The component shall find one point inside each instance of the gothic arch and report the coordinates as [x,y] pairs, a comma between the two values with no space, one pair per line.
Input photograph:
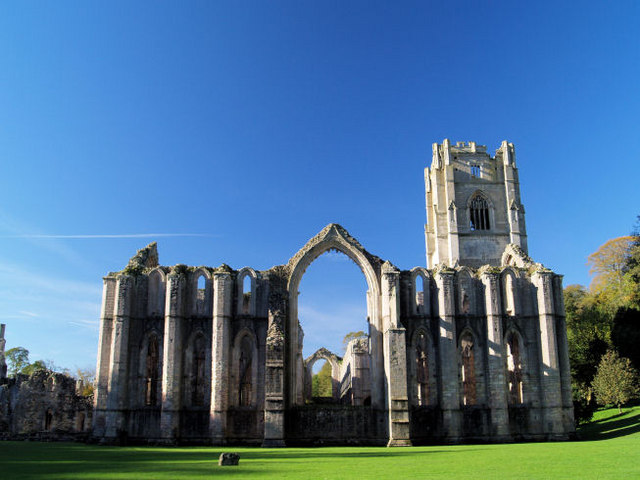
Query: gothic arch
[197,370]
[416,298]
[516,366]
[487,223]
[466,303]
[246,305]
[334,361]
[429,370]
[334,237]
[202,297]
[509,291]
[470,367]
[244,370]
[150,369]
[156,291]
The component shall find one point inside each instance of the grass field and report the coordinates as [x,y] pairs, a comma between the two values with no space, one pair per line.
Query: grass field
[610,449]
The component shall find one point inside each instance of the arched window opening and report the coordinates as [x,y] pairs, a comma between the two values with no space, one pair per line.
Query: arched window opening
[422,370]
[514,369]
[245,383]
[468,370]
[508,295]
[479,213]
[156,294]
[48,420]
[475,170]
[419,291]
[321,381]
[246,295]
[198,374]
[151,373]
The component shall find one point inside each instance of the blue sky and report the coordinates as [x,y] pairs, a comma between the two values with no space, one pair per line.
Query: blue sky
[255,124]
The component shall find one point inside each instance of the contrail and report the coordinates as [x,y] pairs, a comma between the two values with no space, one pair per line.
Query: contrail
[125,235]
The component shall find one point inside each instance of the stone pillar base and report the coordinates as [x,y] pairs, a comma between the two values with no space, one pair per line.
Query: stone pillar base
[399,443]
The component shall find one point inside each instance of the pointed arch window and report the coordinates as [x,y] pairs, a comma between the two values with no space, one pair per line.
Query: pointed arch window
[468,369]
[151,372]
[514,369]
[422,369]
[479,213]
[245,371]
[198,374]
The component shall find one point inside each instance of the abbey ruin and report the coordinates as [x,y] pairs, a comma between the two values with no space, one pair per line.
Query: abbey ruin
[472,348]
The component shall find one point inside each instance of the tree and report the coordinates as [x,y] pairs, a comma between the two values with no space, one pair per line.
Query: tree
[616,381]
[321,382]
[588,333]
[352,336]
[17,359]
[609,265]
[34,367]
[87,376]
[625,334]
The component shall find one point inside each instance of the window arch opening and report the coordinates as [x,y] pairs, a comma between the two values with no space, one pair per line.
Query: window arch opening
[151,372]
[514,370]
[468,369]
[246,295]
[198,373]
[419,286]
[245,373]
[422,369]
[479,214]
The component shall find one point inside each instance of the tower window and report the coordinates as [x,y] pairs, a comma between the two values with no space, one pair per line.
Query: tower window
[479,214]
[475,170]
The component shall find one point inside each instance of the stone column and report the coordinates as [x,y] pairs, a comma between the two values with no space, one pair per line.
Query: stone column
[550,381]
[220,355]
[104,357]
[563,356]
[395,358]
[274,405]
[448,356]
[115,422]
[172,357]
[496,357]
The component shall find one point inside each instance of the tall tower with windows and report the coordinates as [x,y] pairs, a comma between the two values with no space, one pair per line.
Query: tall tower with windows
[473,205]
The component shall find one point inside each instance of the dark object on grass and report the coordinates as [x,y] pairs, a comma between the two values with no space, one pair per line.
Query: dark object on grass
[228,459]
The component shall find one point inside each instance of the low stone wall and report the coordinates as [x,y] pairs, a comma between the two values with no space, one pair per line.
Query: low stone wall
[336,424]
[44,406]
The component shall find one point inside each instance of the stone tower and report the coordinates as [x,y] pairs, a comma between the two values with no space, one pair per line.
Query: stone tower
[473,205]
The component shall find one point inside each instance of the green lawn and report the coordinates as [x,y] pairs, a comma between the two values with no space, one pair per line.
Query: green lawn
[611,449]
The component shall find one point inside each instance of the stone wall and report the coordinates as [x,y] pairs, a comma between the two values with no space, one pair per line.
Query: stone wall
[44,406]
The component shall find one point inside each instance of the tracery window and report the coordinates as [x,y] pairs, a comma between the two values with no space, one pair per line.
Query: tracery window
[151,373]
[468,369]
[422,370]
[475,170]
[479,213]
[514,370]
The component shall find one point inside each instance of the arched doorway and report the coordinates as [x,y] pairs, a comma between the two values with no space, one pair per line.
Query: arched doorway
[364,420]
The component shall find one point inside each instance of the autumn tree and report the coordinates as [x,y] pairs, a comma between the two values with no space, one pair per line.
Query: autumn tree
[609,267]
[616,381]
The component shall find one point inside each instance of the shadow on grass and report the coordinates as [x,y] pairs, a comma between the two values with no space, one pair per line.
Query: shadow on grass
[64,460]
[615,426]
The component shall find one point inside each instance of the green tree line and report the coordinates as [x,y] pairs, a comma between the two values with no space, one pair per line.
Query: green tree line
[603,327]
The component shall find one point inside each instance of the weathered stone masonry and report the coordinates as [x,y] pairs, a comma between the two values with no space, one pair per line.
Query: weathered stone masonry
[473,348]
